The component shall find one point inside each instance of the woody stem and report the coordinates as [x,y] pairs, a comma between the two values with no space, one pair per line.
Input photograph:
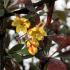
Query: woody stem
[50,12]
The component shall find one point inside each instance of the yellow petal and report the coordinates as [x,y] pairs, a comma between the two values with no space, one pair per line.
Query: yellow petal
[37,32]
[42,31]
[32,46]
[21,28]
[32,50]
[33,31]
[35,42]
[22,21]
[27,24]
[39,37]
[28,43]
[32,42]
[16,21]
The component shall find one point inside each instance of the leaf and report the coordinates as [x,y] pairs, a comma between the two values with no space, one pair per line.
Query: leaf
[28,4]
[20,55]
[55,26]
[24,51]
[30,7]
[6,3]
[68,66]
[1,12]
[65,55]
[61,40]
[17,57]
[16,48]
[55,64]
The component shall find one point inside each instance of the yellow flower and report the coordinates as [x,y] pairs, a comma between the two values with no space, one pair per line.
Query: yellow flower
[22,24]
[37,32]
[21,28]
[32,46]
[32,50]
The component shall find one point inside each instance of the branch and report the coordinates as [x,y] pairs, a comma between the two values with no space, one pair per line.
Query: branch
[50,12]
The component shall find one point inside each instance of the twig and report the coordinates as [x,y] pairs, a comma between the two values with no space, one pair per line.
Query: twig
[50,12]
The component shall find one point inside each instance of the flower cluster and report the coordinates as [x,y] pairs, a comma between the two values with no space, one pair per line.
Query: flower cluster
[32,35]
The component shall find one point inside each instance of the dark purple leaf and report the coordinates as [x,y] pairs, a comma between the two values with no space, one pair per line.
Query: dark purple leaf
[61,40]
[55,26]
[55,64]
[28,4]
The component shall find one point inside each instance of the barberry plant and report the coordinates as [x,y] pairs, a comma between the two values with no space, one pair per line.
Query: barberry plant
[34,36]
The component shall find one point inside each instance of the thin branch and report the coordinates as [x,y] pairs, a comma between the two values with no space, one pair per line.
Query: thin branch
[50,12]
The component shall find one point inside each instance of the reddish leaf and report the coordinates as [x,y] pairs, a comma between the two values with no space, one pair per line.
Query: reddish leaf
[55,26]
[68,66]
[28,4]
[55,64]
[61,40]
[22,1]
[15,2]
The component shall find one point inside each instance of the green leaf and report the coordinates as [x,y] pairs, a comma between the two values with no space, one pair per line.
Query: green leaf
[6,3]
[16,48]
[20,55]
[24,51]
[17,57]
